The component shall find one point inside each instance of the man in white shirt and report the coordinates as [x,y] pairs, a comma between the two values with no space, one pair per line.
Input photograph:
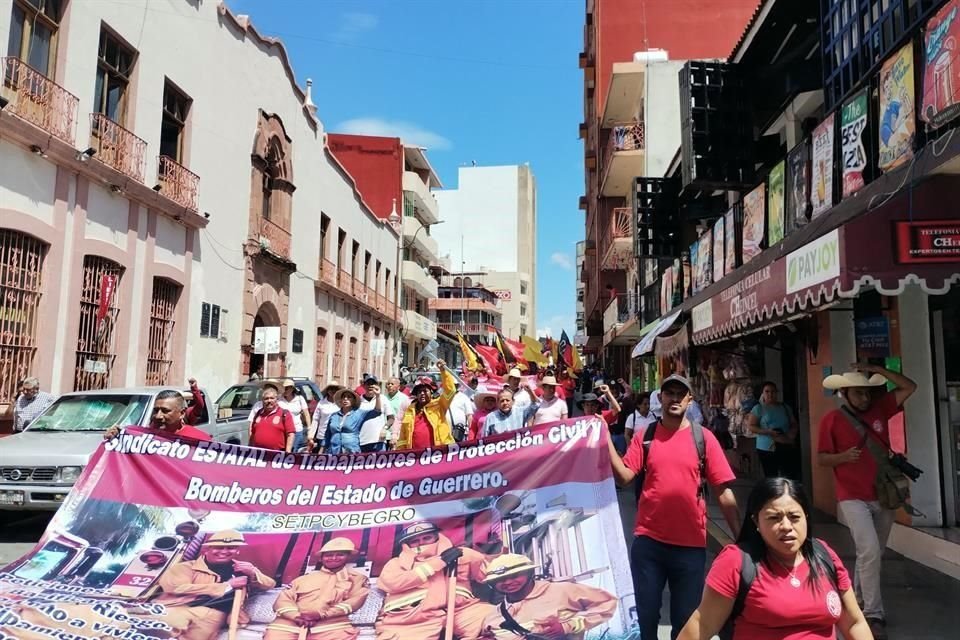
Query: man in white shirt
[374,432]
[397,399]
[460,414]
[551,408]
[521,398]
[321,415]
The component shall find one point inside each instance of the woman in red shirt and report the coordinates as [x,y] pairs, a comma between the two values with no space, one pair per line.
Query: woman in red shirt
[801,590]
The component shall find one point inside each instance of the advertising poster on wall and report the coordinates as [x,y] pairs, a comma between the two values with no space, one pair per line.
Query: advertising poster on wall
[897,127]
[224,541]
[798,187]
[941,67]
[705,260]
[694,268]
[821,196]
[754,222]
[718,249]
[666,290]
[853,124]
[730,240]
[775,204]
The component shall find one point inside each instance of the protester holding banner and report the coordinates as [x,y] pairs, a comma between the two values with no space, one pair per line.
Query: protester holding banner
[199,594]
[428,576]
[675,461]
[320,601]
[272,426]
[167,417]
[540,608]
[425,421]
[343,428]
[508,417]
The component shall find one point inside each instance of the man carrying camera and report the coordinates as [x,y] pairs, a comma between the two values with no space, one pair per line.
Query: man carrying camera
[855,442]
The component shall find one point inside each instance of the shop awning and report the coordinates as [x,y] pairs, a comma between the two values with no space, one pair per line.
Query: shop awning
[645,345]
[911,239]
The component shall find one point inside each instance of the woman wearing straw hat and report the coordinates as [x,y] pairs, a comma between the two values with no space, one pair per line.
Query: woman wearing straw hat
[486,401]
[343,429]
[321,415]
[862,421]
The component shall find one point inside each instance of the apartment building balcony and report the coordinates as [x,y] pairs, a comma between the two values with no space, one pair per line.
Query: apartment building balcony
[621,322]
[626,93]
[274,238]
[424,202]
[623,159]
[118,148]
[177,182]
[415,277]
[463,304]
[616,241]
[417,326]
[417,238]
[33,97]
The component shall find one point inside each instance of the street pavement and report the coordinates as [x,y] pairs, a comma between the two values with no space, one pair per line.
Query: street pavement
[19,532]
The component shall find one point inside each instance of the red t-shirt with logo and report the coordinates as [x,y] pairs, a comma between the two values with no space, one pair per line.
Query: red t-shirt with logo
[270,429]
[776,610]
[669,510]
[189,431]
[855,480]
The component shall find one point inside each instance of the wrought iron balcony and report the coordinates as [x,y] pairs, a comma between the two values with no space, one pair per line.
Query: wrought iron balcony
[623,158]
[177,182]
[275,237]
[39,100]
[117,147]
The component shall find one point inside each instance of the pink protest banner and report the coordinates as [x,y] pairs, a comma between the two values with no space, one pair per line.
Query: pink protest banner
[175,538]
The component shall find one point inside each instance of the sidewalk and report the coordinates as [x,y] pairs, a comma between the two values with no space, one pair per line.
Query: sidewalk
[921,603]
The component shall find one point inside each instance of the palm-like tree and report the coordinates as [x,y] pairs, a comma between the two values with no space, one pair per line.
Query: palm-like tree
[117,527]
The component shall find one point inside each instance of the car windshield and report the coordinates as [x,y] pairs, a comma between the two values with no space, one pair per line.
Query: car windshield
[92,412]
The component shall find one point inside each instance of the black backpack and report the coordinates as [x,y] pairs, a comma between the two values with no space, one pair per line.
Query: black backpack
[748,573]
[696,430]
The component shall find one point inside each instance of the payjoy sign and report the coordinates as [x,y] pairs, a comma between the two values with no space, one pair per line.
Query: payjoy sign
[815,262]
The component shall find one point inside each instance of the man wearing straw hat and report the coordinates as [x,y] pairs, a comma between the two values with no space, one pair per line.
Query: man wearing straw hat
[844,433]
[541,608]
[199,594]
[552,408]
[322,600]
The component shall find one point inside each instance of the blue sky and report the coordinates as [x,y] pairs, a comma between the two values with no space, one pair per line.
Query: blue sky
[495,81]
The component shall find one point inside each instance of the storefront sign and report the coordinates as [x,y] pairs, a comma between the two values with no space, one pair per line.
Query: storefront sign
[821,196]
[718,249]
[815,262]
[702,316]
[776,204]
[798,187]
[743,296]
[897,126]
[193,514]
[753,223]
[504,294]
[853,123]
[941,69]
[927,241]
[872,337]
[730,240]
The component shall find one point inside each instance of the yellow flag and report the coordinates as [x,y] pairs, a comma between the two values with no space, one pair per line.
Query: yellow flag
[468,354]
[533,351]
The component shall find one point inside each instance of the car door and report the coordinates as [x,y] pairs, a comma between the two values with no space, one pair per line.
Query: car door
[233,410]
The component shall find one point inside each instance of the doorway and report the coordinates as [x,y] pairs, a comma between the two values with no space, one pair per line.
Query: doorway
[945,332]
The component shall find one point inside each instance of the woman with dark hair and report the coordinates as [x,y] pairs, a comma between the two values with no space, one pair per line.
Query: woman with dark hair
[776,430]
[800,588]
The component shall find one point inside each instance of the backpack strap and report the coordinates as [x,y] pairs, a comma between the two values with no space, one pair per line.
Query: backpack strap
[648,434]
[696,430]
[748,574]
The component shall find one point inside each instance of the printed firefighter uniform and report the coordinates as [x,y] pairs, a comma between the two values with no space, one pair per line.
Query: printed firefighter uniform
[416,585]
[577,607]
[194,581]
[334,595]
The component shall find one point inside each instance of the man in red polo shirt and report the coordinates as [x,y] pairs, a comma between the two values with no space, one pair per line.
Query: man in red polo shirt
[671,532]
[272,427]
[167,417]
[841,447]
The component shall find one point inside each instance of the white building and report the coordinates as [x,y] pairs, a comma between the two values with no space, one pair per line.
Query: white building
[492,214]
[143,242]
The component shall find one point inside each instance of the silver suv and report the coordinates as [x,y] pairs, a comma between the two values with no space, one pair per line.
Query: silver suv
[39,465]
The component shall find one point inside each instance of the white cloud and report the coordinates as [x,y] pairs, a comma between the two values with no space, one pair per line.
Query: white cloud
[407,131]
[555,325]
[562,260]
[353,24]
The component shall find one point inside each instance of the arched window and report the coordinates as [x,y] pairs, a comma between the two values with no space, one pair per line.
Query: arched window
[467,282]
[21,285]
[99,309]
[458,282]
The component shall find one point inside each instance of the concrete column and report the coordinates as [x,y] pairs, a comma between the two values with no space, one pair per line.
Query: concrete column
[843,346]
[920,409]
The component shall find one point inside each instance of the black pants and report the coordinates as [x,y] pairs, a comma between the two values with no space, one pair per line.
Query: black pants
[779,463]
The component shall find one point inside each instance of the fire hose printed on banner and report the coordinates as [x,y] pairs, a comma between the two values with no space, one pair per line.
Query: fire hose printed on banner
[499,538]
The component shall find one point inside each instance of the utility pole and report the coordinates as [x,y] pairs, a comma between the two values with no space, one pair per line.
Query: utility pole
[463,323]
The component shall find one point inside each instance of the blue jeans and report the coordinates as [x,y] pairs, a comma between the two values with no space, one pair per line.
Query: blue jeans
[655,564]
[373,446]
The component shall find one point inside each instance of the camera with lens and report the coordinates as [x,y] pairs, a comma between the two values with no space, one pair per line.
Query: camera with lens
[900,461]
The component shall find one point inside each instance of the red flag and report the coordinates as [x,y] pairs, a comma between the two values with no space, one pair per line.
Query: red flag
[107,285]
[513,351]
[491,357]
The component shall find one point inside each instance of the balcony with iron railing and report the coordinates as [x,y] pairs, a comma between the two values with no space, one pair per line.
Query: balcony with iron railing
[616,241]
[618,313]
[274,238]
[117,147]
[177,182]
[39,100]
[623,159]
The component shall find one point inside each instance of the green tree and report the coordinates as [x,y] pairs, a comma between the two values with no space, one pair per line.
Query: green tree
[117,527]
